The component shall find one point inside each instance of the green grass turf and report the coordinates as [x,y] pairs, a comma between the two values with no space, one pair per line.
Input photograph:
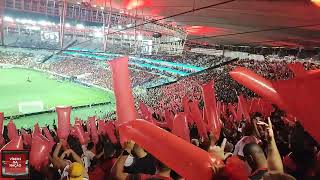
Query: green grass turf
[15,89]
[49,118]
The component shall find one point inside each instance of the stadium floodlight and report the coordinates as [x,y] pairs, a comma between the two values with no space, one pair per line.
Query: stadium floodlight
[80,26]
[140,37]
[23,21]
[27,21]
[8,19]
[35,28]
[98,34]
[43,23]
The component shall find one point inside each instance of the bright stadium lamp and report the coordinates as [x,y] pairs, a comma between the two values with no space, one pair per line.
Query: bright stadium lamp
[43,23]
[140,37]
[35,28]
[8,19]
[98,34]
[316,2]
[30,22]
[80,26]
[23,21]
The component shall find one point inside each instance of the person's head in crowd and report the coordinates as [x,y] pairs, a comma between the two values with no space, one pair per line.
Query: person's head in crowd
[76,171]
[195,142]
[75,145]
[109,150]
[248,129]
[90,146]
[255,156]
[256,116]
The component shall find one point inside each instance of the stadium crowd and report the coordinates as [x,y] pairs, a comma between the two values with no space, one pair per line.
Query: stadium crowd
[261,147]
[196,59]
[170,96]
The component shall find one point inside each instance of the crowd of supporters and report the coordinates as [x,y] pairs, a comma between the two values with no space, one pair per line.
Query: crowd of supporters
[196,59]
[170,96]
[259,148]
[85,69]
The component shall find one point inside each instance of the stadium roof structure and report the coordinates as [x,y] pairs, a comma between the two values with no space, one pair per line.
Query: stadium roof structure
[280,23]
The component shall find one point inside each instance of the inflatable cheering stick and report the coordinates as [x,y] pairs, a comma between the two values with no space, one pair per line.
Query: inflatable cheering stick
[63,121]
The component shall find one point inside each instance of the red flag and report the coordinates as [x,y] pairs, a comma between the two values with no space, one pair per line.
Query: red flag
[302,98]
[168,118]
[147,115]
[180,126]
[36,130]
[244,107]
[48,135]
[297,69]
[254,106]
[12,130]
[265,108]
[186,109]
[209,98]
[93,129]
[232,110]
[110,129]
[26,137]
[196,115]
[239,113]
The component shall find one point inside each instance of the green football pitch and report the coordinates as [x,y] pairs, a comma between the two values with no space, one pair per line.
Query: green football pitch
[16,89]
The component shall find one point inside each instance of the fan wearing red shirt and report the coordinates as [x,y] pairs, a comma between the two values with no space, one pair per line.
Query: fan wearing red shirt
[102,170]
[117,171]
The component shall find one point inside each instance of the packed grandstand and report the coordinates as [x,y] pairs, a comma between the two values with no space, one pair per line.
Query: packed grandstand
[147,103]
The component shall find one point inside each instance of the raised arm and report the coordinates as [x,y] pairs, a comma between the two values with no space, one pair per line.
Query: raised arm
[117,170]
[273,157]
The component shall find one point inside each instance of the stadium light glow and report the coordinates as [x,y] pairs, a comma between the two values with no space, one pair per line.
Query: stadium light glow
[43,23]
[316,2]
[98,34]
[80,26]
[140,37]
[35,28]
[8,19]
[26,21]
